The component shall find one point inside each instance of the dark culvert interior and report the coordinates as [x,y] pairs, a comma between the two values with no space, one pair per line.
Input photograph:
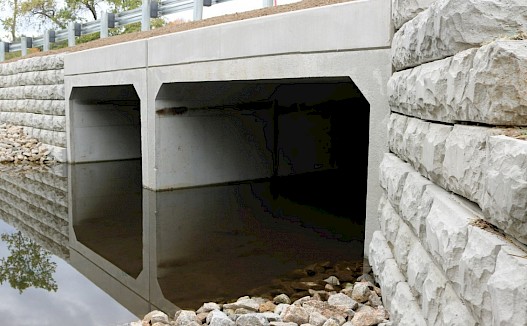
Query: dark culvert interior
[316,130]
[304,205]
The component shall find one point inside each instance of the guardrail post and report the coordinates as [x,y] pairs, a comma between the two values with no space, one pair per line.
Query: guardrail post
[74,29]
[145,15]
[45,41]
[107,21]
[25,43]
[267,3]
[49,37]
[198,9]
[4,47]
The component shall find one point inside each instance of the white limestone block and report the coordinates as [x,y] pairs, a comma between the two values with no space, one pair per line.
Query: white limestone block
[404,309]
[396,127]
[433,153]
[389,278]
[433,287]
[58,123]
[419,264]
[59,139]
[388,219]
[405,10]
[465,160]
[392,175]
[504,202]
[485,85]
[379,252]
[446,235]
[476,266]
[404,240]
[447,27]
[508,288]
[414,206]
[452,311]
[412,144]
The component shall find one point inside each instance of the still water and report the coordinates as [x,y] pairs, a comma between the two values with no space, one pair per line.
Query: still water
[85,244]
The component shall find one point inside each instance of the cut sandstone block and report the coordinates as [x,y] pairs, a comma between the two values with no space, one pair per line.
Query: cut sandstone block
[483,85]
[447,27]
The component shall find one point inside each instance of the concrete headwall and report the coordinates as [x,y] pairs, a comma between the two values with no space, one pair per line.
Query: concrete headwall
[452,245]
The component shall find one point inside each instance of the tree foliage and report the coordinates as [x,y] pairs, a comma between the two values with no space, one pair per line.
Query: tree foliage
[10,22]
[29,265]
[43,12]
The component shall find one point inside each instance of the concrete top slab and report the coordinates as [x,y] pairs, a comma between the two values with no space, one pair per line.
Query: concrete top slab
[362,24]
[119,56]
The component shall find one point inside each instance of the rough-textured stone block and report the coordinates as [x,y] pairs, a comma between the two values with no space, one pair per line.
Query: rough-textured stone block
[465,160]
[392,175]
[413,137]
[419,264]
[447,27]
[389,278]
[404,241]
[379,252]
[446,235]
[396,127]
[388,219]
[452,311]
[508,288]
[504,201]
[404,308]
[405,10]
[484,85]
[433,153]
[413,206]
[476,265]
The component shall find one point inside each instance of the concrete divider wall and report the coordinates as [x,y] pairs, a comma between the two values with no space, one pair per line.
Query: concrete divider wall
[452,246]
[32,96]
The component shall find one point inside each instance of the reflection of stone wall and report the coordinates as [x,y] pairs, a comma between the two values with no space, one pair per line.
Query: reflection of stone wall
[35,202]
[453,241]
[32,96]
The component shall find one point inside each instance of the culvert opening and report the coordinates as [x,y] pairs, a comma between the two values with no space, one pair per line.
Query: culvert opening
[105,123]
[106,173]
[275,171]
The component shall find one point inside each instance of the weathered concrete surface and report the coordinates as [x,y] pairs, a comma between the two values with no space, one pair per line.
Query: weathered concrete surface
[484,85]
[447,27]
[473,162]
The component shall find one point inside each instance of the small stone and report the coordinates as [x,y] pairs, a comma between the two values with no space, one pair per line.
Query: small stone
[332,280]
[282,298]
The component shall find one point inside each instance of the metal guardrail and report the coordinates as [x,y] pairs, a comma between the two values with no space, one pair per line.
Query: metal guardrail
[149,9]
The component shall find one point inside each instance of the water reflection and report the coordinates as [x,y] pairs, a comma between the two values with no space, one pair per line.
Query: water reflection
[27,265]
[176,249]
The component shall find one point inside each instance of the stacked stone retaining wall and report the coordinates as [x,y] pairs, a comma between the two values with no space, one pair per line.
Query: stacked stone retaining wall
[452,249]
[32,96]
